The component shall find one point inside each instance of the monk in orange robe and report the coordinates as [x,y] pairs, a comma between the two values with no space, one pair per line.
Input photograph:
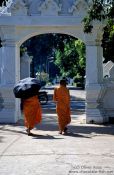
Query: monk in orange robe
[62,98]
[32,112]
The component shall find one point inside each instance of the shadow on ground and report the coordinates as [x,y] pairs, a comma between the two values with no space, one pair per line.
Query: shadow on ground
[84,131]
[95,129]
[13,131]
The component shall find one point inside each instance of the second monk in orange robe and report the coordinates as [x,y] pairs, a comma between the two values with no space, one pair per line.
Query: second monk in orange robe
[62,98]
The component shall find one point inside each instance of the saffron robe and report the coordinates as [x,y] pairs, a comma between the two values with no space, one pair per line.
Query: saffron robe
[62,98]
[32,112]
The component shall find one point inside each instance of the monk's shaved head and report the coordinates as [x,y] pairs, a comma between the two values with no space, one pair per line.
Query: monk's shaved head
[63,82]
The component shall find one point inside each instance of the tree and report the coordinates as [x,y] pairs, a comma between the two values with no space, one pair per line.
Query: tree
[108,42]
[102,10]
[67,51]
[66,60]
[71,59]
[42,47]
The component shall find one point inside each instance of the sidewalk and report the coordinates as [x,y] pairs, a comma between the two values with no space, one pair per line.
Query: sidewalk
[86,150]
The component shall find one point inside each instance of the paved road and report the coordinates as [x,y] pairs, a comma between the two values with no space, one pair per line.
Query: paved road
[75,106]
[87,149]
[77,103]
[77,98]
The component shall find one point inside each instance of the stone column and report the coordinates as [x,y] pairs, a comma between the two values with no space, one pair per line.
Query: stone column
[0,63]
[94,81]
[10,63]
[25,66]
[9,105]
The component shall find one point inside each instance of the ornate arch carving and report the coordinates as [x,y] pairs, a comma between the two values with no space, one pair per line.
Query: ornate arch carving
[18,7]
[79,8]
[50,7]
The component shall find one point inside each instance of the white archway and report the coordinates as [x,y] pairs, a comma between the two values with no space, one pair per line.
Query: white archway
[19,23]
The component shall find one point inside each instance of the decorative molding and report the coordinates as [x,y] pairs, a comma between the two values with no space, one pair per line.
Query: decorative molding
[8,43]
[93,39]
[50,7]
[18,7]
[1,33]
[7,33]
[4,9]
[79,8]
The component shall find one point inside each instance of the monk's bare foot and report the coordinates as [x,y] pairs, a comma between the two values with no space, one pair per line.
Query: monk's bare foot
[60,132]
[65,130]
[28,132]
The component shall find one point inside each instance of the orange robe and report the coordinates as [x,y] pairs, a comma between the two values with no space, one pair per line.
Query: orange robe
[32,112]
[62,98]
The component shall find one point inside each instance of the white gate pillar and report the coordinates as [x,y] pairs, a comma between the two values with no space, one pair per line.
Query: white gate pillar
[94,79]
[0,63]
[9,106]
[10,62]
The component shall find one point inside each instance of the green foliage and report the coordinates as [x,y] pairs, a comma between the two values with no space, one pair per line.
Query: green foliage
[71,60]
[102,10]
[22,50]
[87,25]
[66,60]
[41,47]
[95,12]
[44,46]
[79,80]
[108,42]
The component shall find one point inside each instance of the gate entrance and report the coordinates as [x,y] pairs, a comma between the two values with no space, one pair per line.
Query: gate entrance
[21,20]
